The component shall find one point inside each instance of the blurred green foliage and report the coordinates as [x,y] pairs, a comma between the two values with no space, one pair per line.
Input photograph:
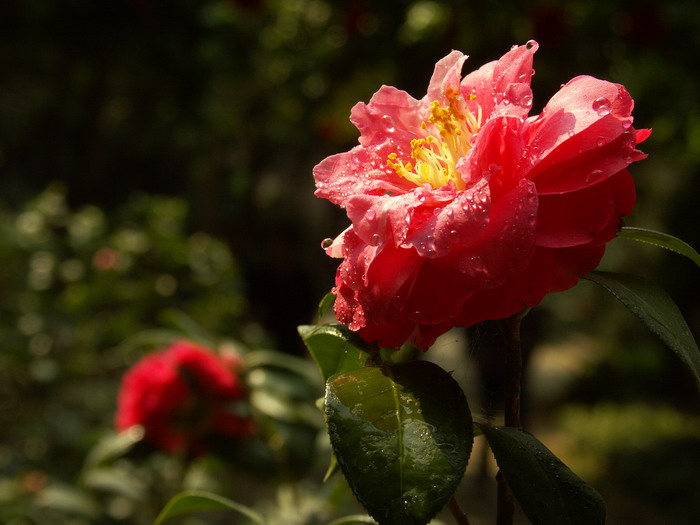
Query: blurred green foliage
[130,127]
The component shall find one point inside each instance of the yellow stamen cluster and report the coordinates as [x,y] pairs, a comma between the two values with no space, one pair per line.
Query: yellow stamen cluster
[448,130]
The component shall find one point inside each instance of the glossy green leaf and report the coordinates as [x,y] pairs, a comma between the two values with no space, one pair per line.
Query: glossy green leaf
[334,348]
[547,490]
[656,309]
[200,501]
[662,240]
[402,434]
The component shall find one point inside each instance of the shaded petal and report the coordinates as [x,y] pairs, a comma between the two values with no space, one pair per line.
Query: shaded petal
[369,280]
[587,216]
[505,247]
[550,270]
[446,226]
[435,296]
[496,154]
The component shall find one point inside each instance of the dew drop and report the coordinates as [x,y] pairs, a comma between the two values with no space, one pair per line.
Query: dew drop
[601,106]
[370,215]
[626,124]
[376,239]
[532,45]
[326,243]
[570,133]
[389,123]
[594,175]
[449,212]
[601,141]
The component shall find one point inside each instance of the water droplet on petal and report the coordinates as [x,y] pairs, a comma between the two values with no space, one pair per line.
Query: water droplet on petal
[326,243]
[626,124]
[370,215]
[532,45]
[601,105]
[571,133]
[601,141]
[376,239]
[593,176]
[389,123]
[449,212]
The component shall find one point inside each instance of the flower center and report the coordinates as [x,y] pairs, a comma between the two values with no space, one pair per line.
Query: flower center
[448,133]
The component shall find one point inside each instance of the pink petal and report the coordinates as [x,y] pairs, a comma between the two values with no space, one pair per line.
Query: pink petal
[446,76]
[583,136]
[392,115]
[358,171]
[504,85]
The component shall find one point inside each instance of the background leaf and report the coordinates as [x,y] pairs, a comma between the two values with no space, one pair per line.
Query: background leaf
[402,434]
[334,348]
[198,501]
[547,490]
[662,240]
[656,309]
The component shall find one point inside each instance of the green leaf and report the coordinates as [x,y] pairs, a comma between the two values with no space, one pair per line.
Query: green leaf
[334,348]
[352,520]
[547,490]
[114,446]
[199,501]
[115,480]
[272,359]
[656,309]
[325,304]
[662,240]
[332,468]
[402,434]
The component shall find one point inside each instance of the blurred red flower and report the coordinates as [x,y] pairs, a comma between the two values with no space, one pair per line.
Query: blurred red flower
[181,396]
[465,209]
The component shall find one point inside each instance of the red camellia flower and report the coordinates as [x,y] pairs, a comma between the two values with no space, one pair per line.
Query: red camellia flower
[465,209]
[181,396]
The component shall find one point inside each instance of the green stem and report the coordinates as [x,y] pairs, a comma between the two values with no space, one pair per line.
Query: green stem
[513,371]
